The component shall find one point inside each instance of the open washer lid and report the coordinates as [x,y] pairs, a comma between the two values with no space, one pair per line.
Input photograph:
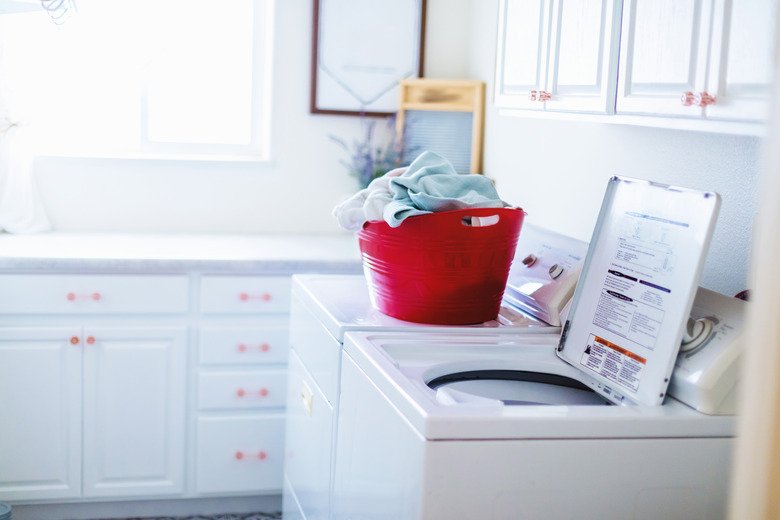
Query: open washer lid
[637,287]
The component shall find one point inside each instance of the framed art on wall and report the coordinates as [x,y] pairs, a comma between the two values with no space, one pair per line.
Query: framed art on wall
[361,50]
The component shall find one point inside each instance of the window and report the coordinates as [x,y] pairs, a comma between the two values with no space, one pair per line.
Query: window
[142,77]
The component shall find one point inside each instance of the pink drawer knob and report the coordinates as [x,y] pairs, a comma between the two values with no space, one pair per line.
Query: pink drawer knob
[245,297]
[74,340]
[687,99]
[243,347]
[263,392]
[72,297]
[702,99]
[90,340]
[240,455]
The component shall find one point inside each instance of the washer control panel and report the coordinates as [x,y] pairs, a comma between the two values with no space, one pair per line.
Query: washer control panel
[544,273]
[707,367]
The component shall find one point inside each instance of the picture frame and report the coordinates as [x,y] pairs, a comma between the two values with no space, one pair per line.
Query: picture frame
[361,50]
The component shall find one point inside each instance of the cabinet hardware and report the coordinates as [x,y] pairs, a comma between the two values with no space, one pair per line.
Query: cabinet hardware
[702,99]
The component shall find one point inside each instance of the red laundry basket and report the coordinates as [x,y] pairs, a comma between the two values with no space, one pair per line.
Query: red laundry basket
[436,269]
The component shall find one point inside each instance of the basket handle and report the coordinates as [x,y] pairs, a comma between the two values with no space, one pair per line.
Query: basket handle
[475,221]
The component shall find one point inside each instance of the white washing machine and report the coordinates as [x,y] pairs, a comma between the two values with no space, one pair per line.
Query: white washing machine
[325,307]
[576,426]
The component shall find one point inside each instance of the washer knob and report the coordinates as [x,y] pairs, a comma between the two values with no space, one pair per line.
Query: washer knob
[529,260]
[555,271]
[696,332]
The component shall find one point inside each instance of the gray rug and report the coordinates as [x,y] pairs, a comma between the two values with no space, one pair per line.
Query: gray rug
[224,516]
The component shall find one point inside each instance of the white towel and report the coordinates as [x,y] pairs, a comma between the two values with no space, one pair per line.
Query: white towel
[367,204]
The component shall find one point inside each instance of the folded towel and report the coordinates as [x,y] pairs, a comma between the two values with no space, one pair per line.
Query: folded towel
[431,184]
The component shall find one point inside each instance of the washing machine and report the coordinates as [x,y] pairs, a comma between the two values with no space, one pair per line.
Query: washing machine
[325,307]
[625,415]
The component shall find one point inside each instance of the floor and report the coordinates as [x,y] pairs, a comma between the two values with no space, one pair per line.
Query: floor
[227,516]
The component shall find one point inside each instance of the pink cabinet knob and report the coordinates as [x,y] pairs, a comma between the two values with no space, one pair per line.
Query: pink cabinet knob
[90,340]
[243,347]
[244,297]
[260,455]
[74,340]
[702,99]
[263,392]
[687,99]
[72,297]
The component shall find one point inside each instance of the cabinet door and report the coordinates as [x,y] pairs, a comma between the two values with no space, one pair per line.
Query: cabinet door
[521,65]
[663,55]
[40,407]
[741,59]
[584,41]
[134,406]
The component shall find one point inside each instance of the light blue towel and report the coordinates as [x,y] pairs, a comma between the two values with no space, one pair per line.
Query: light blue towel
[431,184]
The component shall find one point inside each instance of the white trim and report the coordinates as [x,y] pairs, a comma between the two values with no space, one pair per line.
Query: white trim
[698,125]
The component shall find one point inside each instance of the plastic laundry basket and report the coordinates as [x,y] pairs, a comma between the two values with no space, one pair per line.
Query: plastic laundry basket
[438,269]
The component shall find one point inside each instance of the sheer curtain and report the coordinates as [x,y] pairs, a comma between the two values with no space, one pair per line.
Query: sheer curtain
[21,208]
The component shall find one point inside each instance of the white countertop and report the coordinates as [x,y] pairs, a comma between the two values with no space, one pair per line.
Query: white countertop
[165,252]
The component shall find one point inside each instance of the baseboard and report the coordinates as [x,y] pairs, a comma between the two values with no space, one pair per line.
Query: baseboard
[147,508]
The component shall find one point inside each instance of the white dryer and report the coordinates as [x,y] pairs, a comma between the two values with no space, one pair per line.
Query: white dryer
[579,426]
[325,307]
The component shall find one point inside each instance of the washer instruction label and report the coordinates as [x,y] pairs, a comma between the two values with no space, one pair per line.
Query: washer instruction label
[614,363]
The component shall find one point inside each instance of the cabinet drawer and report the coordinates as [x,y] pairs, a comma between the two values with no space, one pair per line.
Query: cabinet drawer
[92,294]
[241,390]
[243,346]
[245,294]
[240,454]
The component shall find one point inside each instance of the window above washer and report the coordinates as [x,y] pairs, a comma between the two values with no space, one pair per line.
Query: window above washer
[146,78]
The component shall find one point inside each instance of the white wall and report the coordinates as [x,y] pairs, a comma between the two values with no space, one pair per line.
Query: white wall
[556,170]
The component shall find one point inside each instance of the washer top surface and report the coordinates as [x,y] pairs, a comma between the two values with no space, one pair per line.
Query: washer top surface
[402,364]
[342,303]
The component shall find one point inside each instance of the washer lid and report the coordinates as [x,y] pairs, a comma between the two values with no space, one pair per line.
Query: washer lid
[637,288]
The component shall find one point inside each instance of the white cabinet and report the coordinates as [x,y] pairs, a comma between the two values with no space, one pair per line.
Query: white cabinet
[698,64]
[40,410]
[241,384]
[696,58]
[134,394]
[741,62]
[557,56]
[91,411]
